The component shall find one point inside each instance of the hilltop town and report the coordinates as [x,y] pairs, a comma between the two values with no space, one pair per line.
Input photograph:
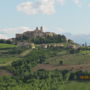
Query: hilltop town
[34,34]
[39,38]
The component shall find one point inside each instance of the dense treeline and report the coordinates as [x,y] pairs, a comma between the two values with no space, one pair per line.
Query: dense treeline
[41,80]
[49,39]
[23,67]
[5,41]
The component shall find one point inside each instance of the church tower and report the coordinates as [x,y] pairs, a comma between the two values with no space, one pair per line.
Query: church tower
[36,28]
[41,29]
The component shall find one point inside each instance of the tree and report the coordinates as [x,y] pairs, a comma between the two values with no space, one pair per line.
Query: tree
[70,41]
[42,59]
[61,63]
[6,82]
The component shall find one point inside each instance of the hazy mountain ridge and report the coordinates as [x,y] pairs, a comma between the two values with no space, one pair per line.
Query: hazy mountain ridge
[79,38]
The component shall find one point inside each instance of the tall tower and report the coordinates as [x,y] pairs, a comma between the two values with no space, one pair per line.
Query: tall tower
[36,28]
[41,29]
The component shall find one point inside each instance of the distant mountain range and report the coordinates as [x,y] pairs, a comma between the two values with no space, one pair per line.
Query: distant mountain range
[80,38]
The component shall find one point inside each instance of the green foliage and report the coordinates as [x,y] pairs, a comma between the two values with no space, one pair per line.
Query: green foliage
[23,78]
[2,46]
[44,80]
[7,82]
[5,41]
[61,63]
[73,51]
[49,39]
[7,60]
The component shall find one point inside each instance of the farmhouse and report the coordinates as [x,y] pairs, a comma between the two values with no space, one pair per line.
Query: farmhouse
[26,44]
[44,46]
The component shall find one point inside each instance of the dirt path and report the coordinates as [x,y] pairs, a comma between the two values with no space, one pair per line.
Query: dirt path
[82,67]
[5,73]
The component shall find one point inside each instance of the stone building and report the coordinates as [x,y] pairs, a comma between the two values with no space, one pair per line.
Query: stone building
[44,46]
[31,34]
[74,46]
[34,34]
[26,44]
[56,45]
[32,45]
[23,44]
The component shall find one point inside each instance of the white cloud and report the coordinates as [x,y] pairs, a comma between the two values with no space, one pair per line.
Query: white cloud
[27,7]
[10,32]
[40,6]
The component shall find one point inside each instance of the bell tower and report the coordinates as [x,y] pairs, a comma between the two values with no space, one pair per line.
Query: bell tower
[41,29]
[36,28]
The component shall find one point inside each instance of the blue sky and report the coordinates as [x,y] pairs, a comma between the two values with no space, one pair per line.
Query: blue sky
[17,16]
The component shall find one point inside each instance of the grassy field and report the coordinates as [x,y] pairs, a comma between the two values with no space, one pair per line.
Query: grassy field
[76,86]
[7,60]
[7,45]
[26,52]
[70,59]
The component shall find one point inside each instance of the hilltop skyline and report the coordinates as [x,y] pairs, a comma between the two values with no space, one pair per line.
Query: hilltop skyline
[59,16]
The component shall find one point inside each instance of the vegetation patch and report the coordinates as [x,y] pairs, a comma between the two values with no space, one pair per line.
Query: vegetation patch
[2,45]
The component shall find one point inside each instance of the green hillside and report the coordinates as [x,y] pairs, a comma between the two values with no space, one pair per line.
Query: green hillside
[53,68]
[2,45]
